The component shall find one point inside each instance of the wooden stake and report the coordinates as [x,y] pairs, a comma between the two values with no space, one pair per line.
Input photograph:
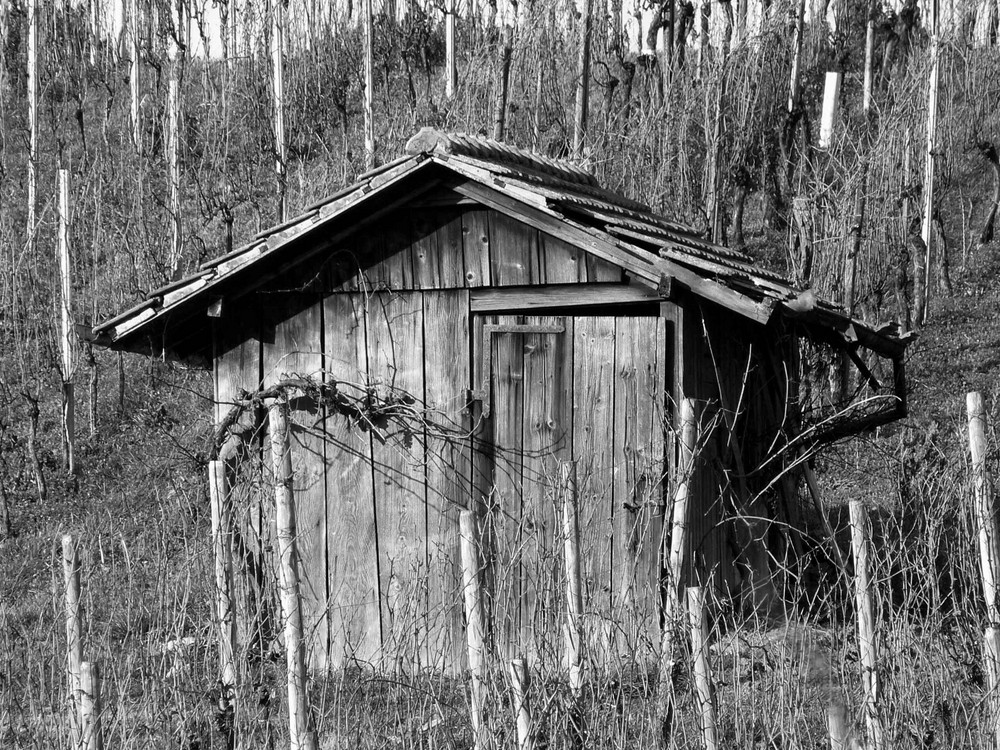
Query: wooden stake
[582,82]
[932,107]
[989,538]
[474,622]
[574,586]
[837,725]
[223,547]
[299,724]
[989,553]
[67,339]
[133,74]
[91,734]
[369,87]
[991,655]
[450,67]
[831,105]
[866,100]
[74,632]
[522,707]
[866,623]
[278,78]
[173,168]
[32,80]
[794,87]
[674,572]
[702,670]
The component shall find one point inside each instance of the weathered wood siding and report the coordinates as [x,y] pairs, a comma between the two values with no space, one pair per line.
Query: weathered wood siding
[738,374]
[459,246]
[399,316]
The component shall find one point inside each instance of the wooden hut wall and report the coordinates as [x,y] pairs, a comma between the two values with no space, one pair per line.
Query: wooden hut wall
[377,510]
[738,373]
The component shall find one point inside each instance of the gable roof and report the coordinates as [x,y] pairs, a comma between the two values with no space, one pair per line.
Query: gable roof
[554,196]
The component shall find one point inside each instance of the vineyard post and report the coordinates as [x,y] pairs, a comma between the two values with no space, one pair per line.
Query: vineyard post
[702,671]
[74,632]
[475,626]
[91,733]
[522,708]
[860,544]
[302,738]
[674,564]
[989,551]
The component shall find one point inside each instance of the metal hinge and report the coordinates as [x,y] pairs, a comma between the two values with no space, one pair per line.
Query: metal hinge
[483,394]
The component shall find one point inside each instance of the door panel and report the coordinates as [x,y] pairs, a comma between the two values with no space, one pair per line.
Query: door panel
[587,390]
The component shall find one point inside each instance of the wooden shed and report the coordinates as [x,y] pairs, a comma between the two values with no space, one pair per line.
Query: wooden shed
[464,324]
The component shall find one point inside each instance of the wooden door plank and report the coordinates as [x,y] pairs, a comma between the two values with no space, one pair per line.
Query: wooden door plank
[446,371]
[513,251]
[396,353]
[546,436]
[354,614]
[507,402]
[593,400]
[476,247]
[564,263]
[292,346]
[638,450]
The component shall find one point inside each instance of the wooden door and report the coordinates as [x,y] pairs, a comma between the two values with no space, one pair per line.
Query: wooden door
[586,391]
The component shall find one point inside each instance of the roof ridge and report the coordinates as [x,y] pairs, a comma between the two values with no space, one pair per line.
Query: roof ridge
[431,140]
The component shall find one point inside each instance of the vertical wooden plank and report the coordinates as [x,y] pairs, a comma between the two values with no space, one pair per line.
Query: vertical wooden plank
[507,403]
[513,251]
[638,450]
[438,255]
[593,410]
[600,270]
[476,247]
[352,565]
[237,358]
[451,254]
[546,435]
[397,260]
[563,263]
[395,365]
[292,345]
[446,370]
[425,250]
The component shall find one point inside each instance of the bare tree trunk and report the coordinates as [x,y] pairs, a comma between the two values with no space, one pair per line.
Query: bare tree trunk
[944,273]
[34,459]
[121,385]
[901,281]
[94,375]
[919,252]
[989,152]
[582,82]
[741,191]
[503,87]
